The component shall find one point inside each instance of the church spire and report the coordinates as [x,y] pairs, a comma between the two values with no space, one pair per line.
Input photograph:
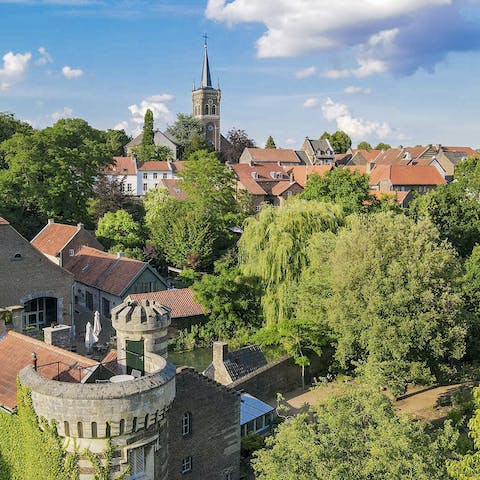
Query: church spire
[206,78]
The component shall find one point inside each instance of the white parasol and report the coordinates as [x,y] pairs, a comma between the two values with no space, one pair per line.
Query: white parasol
[89,337]
[97,326]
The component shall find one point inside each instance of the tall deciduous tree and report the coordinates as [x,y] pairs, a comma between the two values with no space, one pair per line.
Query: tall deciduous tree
[270,143]
[383,146]
[182,131]
[340,185]
[9,125]
[364,146]
[50,174]
[355,435]
[339,141]
[116,141]
[238,141]
[389,293]
[148,134]
[454,211]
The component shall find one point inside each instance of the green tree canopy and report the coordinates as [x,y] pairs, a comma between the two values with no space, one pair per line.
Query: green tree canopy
[116,141]
[148,134]
[183,130]
[270,143]
[467,174]
[9,125]
[50,174]
[364,146]
[273,248]
[454,211]
[340,185]
[383,146]
[119,231]
[388,290]
[339,141]
[355,435]
[238,141]
[196,144]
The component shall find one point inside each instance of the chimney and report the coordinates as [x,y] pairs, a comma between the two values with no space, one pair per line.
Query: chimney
[220,352]
[51,221]
[80,226]
[34,360]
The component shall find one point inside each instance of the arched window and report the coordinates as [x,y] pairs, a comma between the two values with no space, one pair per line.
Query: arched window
[146,421]
[122,427]
[134,426]
[186,423]
[80,429]
[108,430]
[66,428]
[94,430]
[206,109]
[214,109]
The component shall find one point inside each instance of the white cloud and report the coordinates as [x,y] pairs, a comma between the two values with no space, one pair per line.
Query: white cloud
[311,102]
[357,128]
[44,58]
[308,72]
[290,142]
[352,90]
[65,113]
[157,104]
[70,73]
[14,68]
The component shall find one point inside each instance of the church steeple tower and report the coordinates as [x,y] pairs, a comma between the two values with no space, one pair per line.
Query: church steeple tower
[206,103]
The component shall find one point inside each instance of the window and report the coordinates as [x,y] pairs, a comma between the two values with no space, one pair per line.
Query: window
[145,187]
[136,460]
[94,430]
[155,175]
[228,476]
[122,426]
[80,430]
[66,429]
[187,465]
[71,252]
[164,175]
[206,109]
[186,423]
[88,300]
[145,176]
[122,187]
[214,109]
[129,187]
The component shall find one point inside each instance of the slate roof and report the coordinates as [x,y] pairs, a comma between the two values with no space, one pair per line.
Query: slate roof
[407,175]
[467,150]
[181,301]
[16,352]
[121,166]
[321,146]
[103,270]
[53,237]
[244,361]
[455,156]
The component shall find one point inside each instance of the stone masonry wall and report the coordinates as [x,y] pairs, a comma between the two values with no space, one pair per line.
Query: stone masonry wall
[214,440]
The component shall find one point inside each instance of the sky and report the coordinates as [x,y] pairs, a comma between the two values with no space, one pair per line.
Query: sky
[405,72]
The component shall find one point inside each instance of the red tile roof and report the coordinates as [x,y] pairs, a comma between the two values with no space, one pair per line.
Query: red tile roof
[469,151]
[259,185]
[407,175]
[4,222]
[178,165]
[302,172]
[417,151]
[398,196]
[181,302]
[368,155]
[53,238]
[121,166]
[16,352]
[282,187]
[273,155]
[174,187]
[154,165]
[103,270]
[392,156]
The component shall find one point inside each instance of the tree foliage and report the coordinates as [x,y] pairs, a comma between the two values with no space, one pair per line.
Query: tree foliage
[182,131]
[273,248]
[116,141]
[270,143]
[9,126]
[50,174]
[238,141]
[383,146]
[118,231]
[467,174]
[347,188]
[355,435]
[388,291]
[197,143]
[454,211]
[364,146]
[339,141]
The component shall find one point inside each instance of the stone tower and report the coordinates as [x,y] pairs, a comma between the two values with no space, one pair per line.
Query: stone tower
[206,104]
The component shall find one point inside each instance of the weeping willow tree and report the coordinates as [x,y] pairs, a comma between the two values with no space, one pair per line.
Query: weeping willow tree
[274,248]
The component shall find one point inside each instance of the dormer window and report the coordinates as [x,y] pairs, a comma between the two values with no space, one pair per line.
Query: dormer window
[85,268]
[254,175]
[276,175]
[17,257]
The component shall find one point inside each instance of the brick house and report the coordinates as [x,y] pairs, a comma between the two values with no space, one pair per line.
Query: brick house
[318,152]
[272,156]
[36,290]
[103,280]
[60,242]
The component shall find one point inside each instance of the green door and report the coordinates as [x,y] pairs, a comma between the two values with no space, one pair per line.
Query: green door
[135,359]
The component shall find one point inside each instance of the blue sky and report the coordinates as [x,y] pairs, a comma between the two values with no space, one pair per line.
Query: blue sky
[400,71]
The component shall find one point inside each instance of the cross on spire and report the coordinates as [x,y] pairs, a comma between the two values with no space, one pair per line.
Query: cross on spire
[205,38]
